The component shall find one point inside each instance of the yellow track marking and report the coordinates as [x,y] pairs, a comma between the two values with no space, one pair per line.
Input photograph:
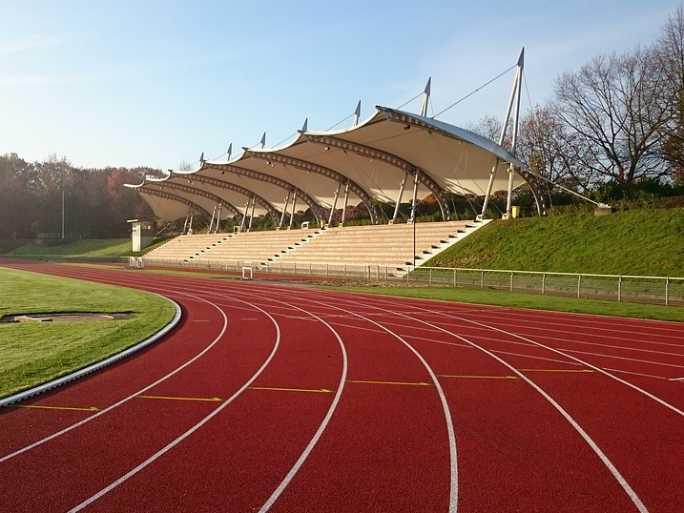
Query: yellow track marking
[278,389]
[477,377]
[70,408]
[573,371]
[168,398]
[400,383]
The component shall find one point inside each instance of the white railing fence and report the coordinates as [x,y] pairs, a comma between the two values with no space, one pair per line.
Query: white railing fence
[623,288]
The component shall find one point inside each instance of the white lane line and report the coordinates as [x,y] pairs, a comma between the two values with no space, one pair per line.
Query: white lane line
[190,431]
[633,373]
[606,461]
[125,399]
[538,358]
[677,379]
[451,436]
[601,355]
[453,457]
[319,432]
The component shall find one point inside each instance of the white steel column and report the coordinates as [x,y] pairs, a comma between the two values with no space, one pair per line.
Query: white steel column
[218,217]
[515,92]
[244,216]
[282,216]
[426,98]
[346,200]
[334,203]
[211,223]
[415,197]
[401,193]
[251,216]
[294,204]
[357,114]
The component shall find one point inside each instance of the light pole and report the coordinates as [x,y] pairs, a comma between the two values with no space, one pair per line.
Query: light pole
[62,213]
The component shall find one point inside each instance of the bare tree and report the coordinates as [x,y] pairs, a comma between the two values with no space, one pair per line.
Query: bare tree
[616,107]
[670,53]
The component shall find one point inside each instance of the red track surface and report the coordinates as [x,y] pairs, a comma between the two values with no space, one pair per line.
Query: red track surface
[280,398]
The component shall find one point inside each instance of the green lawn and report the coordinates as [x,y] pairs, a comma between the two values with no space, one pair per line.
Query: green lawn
[639,242]
[529,301]
[31,354]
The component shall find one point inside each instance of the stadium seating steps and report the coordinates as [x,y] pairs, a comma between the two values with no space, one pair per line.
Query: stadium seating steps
[383,245]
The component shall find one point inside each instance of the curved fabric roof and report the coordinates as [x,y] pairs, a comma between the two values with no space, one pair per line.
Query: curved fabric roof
[371,160]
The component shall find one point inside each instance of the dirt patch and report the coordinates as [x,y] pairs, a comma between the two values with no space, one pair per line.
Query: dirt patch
[67,317]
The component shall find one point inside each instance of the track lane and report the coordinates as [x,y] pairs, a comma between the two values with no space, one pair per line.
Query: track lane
[464,394]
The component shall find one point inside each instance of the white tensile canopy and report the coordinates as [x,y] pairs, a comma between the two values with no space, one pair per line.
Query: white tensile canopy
[393,157]
[378,159]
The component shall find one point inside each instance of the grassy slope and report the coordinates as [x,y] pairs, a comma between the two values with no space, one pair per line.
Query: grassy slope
[641,242]
[83,247]
[90,248]
[34,353]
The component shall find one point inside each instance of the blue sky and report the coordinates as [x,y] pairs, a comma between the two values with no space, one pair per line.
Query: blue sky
[157,82]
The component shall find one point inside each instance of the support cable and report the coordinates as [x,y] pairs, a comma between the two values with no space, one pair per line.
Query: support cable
[473,92]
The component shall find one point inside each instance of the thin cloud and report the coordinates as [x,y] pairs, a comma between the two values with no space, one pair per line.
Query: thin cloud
[26,42]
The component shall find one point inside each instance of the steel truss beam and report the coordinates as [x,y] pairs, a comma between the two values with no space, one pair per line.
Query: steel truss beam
[330,173]
[200,192]
[317,209]
[169,196]
[390,159]
[233,187]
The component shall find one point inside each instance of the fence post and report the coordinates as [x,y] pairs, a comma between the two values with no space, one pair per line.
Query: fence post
[667,291]
[543,284]
[430,277]
[482,279]
[619,289]
[579,285]
[511,286]
[455,279]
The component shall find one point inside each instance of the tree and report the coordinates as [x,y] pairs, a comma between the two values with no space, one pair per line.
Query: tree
[670,53]
[616,107]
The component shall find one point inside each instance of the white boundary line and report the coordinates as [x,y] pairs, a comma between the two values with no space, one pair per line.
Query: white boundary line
[40,389]
[125,399]
[319,432]
[190,431]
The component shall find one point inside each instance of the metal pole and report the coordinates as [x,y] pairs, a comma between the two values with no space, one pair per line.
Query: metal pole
[346,200]
[619,289]
[294,206]
[62,213]
[579,285]
[334,204]
[414,245]
[401,193]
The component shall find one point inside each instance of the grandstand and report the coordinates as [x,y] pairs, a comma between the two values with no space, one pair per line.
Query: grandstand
[396,247]
[392,158]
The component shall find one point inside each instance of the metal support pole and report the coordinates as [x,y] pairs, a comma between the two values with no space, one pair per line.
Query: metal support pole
[251,216]
[346,200]
[619,289]
[579,285]
[62,214]
[218,219]
[667,292]
[211,223]
[509,197]
[401,193]
[334,203]
[244,216]
[282,216]
[294,206]
[414,200]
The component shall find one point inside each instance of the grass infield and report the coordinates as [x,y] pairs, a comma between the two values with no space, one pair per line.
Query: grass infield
[33,353]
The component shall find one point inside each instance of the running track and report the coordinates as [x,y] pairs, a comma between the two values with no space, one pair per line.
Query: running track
[276,397]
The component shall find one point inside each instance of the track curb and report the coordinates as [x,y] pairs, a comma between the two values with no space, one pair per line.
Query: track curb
[45,387]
